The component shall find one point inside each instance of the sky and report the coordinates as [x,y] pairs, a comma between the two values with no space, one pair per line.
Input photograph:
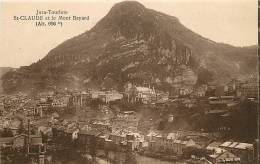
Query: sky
[22,43]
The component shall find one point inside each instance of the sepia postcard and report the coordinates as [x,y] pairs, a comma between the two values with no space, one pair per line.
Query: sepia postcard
[129,82]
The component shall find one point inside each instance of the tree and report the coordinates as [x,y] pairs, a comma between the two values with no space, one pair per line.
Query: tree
[244,121]
[161,125]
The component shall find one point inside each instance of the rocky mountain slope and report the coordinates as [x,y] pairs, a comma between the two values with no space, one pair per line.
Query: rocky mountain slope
[136,44]
[3,70]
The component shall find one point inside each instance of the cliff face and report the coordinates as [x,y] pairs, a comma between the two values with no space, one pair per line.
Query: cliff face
[136,44]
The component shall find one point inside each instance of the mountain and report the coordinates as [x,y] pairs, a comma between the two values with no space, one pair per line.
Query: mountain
[134,44]
[3,70]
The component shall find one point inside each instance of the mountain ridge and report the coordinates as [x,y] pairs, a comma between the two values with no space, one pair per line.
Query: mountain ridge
[136,44]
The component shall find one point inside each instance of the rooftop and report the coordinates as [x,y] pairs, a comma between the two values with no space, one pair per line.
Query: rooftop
[90,132]
[237,145]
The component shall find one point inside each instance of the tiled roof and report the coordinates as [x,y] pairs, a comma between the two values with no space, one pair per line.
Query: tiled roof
[225,144]
[237,145]
[244,146]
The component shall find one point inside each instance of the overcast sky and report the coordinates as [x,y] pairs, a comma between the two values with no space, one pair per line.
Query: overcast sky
[22,43]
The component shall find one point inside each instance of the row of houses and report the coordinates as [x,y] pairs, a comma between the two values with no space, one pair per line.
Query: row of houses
[214,152]
[32,144]
[131,94]
[231,152]
[84,98]
[147,95]
[100,135]
[90,140]
[238,88]
[32,106]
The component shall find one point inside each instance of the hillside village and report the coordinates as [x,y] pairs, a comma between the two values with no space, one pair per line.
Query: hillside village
[197,124]
[139,87]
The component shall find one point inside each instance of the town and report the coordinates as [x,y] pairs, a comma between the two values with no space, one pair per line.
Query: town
[210,123]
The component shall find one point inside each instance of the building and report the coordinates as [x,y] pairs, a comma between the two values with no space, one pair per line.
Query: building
[169,143]
[242,150]
[224,157]
[113,96]
[101,126]
[179,145]
[80,99]
[61,102]
[117,137]
[6,141]
[139,94]
[185,91]
[201,91]
[211,90]
[233,86]
[87,141]
[220,155]
[72,133]
[162,96]
[145,94]
[35,145]
[44,130]
[250,88]
[130,93]
[20,141]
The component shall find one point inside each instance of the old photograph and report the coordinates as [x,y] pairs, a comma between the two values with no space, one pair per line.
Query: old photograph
[129,82]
